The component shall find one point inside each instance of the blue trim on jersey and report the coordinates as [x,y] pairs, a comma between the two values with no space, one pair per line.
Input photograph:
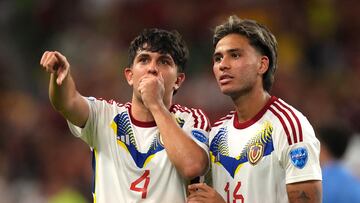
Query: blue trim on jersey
[219,149]
[93,165]
[126,137]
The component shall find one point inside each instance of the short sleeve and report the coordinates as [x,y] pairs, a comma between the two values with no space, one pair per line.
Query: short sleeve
[301,160]
[198,129]
[87,132]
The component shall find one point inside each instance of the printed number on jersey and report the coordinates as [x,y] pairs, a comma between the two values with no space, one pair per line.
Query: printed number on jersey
[236,197]
[141,184]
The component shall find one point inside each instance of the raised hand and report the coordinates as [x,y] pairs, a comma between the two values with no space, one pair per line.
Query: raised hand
[54,62]
[151,88]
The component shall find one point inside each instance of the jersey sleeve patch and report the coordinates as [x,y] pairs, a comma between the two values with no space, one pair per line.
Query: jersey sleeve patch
[200,137]
[299,157]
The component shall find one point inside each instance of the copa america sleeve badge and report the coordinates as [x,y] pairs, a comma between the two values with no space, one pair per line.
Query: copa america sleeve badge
[299,157]
[200,136]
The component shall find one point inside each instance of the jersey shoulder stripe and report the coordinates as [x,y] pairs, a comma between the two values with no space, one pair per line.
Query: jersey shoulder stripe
[282,123]
[201,121]
[110,101]
[223,119]
[286,106]
[289,121]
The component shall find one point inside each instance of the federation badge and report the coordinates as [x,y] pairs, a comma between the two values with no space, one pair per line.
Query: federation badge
[255,153]
[299,157]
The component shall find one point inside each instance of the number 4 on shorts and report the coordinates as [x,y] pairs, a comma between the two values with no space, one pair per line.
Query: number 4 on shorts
[134,185]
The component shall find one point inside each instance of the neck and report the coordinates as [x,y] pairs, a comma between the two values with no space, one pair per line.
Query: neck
[140,112]
[248,105]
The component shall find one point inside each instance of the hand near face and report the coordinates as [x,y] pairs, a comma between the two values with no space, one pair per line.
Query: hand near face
[151,88]
[55,62]
[202,193]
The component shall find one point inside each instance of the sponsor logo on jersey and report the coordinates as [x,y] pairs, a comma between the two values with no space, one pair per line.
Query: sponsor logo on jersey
[200,136]
[299,157]
[255,153]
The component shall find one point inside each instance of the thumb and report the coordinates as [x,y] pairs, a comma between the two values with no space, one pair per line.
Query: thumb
[62,69]
[61,74]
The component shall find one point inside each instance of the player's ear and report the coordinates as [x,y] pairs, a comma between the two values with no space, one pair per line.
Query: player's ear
[128,75]
[264,64]
[179,80]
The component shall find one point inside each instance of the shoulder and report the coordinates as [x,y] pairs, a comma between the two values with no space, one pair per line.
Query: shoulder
[196,115]
[291,121]
[101,103]
[221,121]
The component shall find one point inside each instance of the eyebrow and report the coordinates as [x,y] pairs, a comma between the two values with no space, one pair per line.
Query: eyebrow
[228,51]
[166,56]
[162,56]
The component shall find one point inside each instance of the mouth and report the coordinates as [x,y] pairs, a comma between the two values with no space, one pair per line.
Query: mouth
[224,79]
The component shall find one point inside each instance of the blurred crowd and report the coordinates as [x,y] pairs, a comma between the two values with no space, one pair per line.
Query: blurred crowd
[40,161]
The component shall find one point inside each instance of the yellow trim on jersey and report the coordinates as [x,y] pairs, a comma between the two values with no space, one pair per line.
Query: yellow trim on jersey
[212,159]
[123,145]
[148,159]
[114,127]
[238,168]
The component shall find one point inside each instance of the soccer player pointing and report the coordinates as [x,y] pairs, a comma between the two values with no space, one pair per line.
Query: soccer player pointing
[265,150]
[147,149]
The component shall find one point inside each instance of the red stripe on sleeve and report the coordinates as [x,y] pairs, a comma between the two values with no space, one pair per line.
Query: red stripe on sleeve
[296,119]
[283,124]
[289,119]
[202,120]
[196,124]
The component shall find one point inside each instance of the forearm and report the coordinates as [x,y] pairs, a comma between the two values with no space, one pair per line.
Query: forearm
[67,100]
[308,191]
[188,157]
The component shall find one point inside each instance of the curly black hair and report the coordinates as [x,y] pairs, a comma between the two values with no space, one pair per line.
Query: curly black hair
[162,41]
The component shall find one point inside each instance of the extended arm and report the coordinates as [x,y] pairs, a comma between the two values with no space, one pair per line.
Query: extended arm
[307,191]
[62,90]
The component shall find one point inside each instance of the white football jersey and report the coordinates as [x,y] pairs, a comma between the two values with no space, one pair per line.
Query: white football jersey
[130,162]
[253,161]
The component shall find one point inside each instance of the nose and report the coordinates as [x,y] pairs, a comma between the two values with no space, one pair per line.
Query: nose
[224,64]
[153,69]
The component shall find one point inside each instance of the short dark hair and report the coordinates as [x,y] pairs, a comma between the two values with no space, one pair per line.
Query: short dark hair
[162,41]
[335,137]
[259,37]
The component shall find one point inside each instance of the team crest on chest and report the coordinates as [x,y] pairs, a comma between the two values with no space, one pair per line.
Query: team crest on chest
[256,148]
[255,153]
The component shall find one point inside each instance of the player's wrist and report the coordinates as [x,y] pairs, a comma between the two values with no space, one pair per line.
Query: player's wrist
[157,107]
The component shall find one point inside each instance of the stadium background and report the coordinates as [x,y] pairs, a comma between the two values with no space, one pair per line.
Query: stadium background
[40,161]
